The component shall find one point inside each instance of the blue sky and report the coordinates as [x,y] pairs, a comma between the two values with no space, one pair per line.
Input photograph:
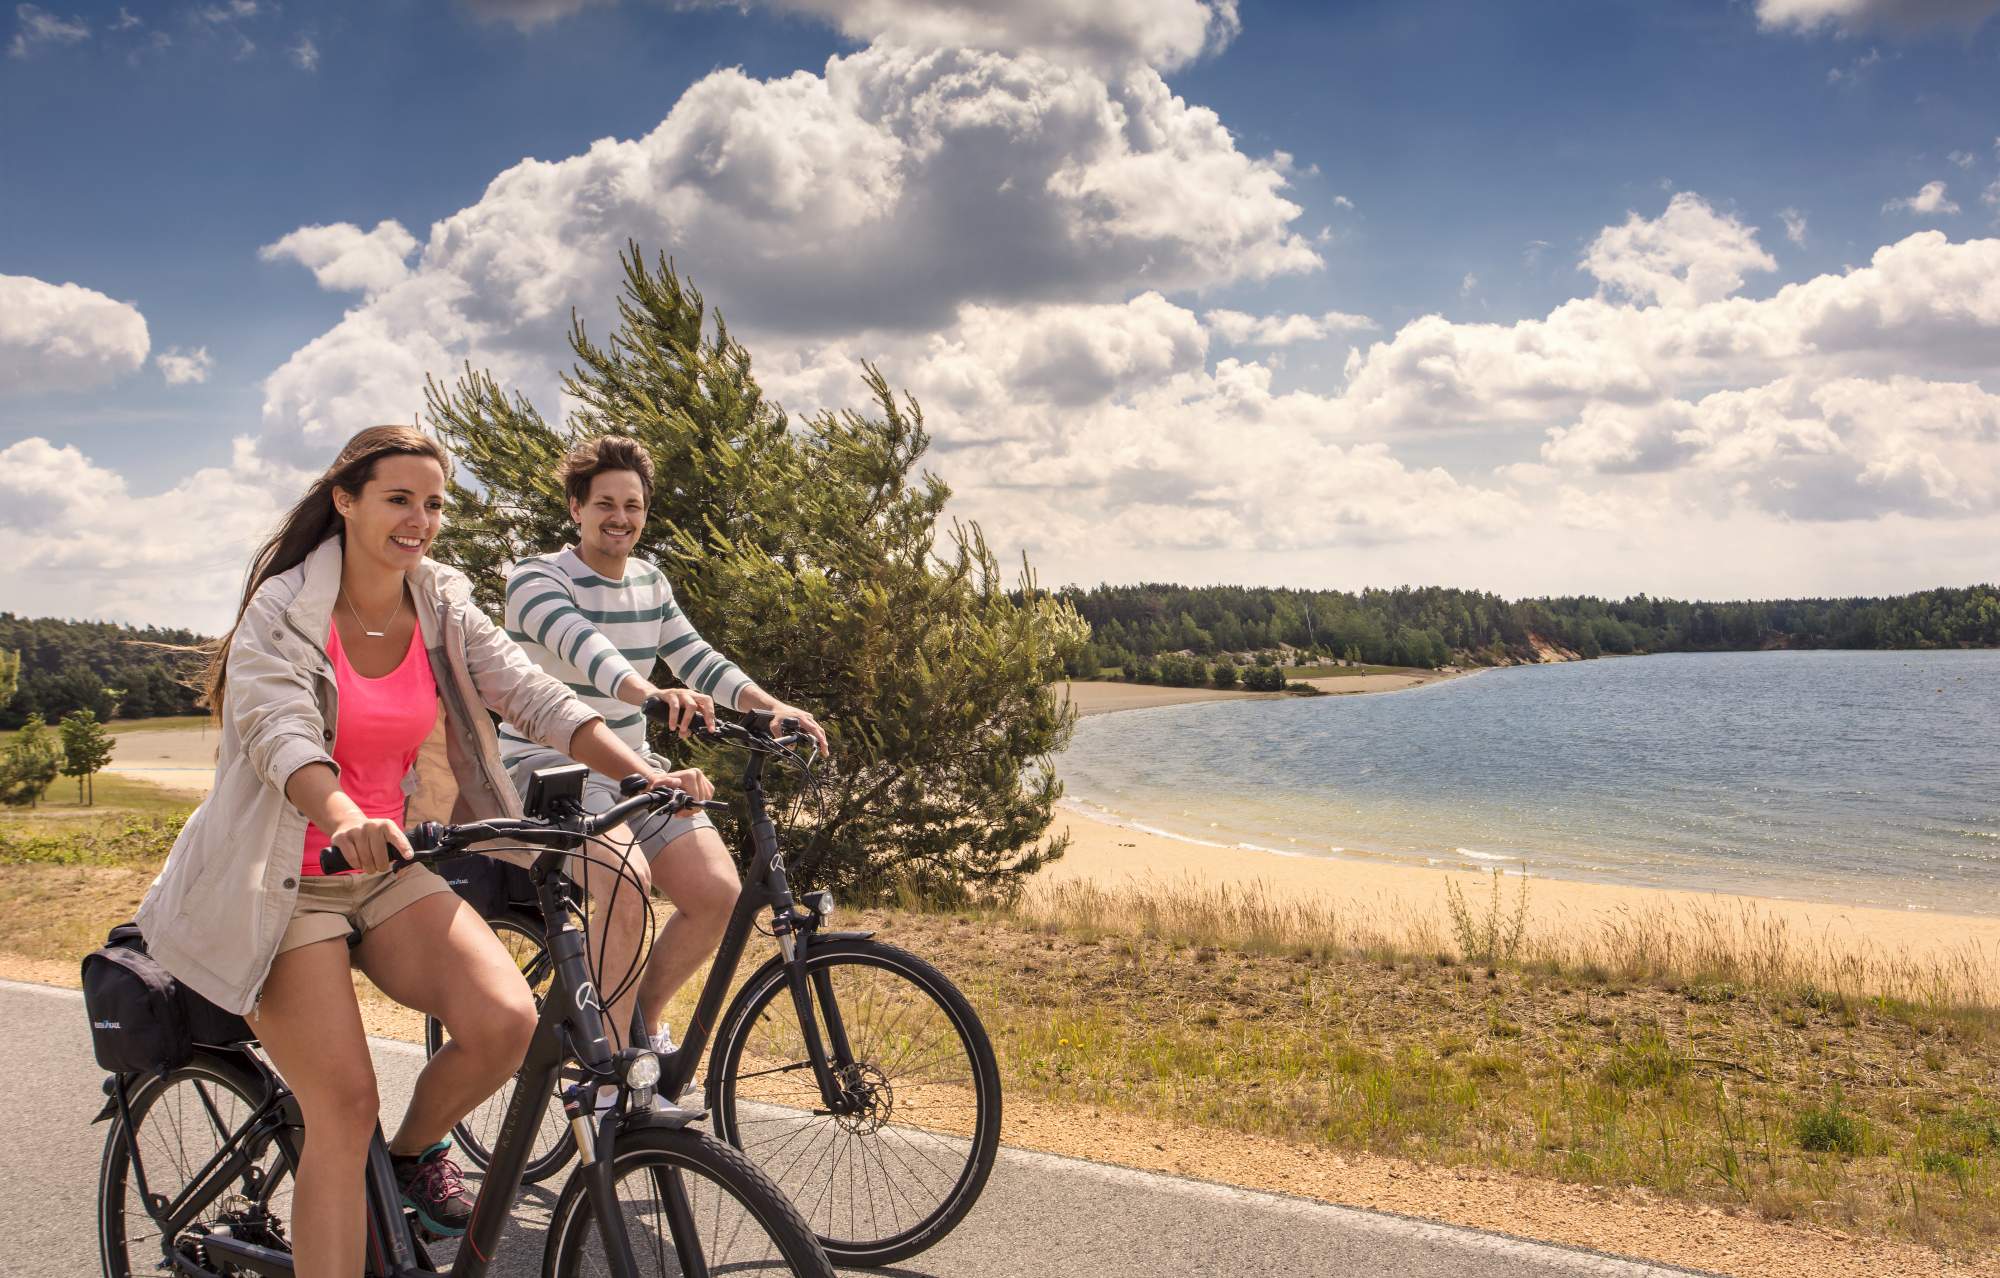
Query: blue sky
[1393,161]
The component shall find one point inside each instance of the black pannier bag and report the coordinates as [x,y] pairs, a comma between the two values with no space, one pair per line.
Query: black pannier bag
[491,886]
[141,1018]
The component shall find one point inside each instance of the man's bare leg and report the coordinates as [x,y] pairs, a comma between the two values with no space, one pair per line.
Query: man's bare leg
[617,928]
[696,873]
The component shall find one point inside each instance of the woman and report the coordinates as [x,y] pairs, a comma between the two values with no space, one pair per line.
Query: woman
[347,646]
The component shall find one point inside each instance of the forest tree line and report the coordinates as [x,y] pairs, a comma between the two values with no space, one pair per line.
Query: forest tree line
[115,670]
[99,666]
[1132,626]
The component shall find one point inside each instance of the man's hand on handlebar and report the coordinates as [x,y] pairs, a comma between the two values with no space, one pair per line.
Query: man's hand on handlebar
[369,844]
[784,715]
[682,710]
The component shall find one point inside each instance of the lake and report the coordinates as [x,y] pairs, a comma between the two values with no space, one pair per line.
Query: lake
[1870,778]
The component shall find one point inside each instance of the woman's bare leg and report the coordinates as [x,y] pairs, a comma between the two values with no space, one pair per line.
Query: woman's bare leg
[310,1025]
[439,957]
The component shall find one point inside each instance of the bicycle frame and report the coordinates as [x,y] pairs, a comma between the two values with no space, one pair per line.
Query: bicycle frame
[571,1028]
[766,887]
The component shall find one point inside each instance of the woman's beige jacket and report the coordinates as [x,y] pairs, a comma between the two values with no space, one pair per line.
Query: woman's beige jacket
[215,915]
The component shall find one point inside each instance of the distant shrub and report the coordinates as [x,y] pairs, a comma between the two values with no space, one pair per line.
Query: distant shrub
[1264,679]
[1182,672]
[1224,675]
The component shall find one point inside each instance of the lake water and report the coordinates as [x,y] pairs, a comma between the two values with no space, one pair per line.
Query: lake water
[1854,777]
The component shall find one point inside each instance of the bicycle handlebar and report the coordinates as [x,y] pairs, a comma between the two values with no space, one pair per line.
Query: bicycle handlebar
[754,733]
[432,841]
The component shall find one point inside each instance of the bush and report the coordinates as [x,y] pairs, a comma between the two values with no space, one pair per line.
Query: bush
[1264,679]
[30,764]
[1182,672]
[1143,672]
[1224,675]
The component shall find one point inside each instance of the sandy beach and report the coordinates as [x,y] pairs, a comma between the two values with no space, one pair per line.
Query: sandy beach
[1093,698]
[1117,856]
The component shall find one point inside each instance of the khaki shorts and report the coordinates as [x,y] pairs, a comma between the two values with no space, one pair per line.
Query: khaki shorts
[349,906]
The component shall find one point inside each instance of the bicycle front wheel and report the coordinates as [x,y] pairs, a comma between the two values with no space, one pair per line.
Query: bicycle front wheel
[688,1205]
[180,1122]
[910,1151]
[479,1131]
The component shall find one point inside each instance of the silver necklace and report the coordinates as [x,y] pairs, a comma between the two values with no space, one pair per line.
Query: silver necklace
[373,634]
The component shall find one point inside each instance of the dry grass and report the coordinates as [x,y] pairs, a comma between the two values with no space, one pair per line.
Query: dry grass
[1713,1056]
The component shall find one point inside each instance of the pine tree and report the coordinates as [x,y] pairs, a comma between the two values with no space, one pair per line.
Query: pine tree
[10,675]
[811,553]
[30,764]
[86,746]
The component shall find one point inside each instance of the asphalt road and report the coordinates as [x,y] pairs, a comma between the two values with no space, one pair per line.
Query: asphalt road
[1040,1215]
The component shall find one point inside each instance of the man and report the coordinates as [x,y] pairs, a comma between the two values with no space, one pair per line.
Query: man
[587,614]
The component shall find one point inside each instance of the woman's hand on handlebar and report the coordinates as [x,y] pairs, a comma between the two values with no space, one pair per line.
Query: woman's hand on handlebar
[370,844]
[693,781]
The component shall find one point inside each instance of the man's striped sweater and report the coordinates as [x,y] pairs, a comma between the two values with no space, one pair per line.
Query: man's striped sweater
[590,632]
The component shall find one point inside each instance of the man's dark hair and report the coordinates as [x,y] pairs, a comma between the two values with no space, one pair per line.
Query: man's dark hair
[593,457]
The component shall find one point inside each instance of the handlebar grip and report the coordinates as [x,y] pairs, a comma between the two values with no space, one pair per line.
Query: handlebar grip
[425,836]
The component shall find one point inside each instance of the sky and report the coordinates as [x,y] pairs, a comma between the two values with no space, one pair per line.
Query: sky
[1697,299]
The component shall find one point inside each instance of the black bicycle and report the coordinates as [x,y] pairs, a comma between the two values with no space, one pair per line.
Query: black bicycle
[200,1160]
[851,1070]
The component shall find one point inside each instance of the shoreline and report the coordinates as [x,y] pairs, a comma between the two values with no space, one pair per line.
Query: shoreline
[1121,858]
[1093,697]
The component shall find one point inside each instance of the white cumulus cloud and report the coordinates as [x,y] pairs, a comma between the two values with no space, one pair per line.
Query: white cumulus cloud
[1240,328]
[64,336]
[886,195]
[1847,16]
[1930,199]
[74,538]
[345,258]
[1162,33]
[184,368]
[1688,255]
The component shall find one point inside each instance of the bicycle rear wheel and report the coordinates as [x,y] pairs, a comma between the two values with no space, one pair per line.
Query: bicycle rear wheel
[689,1205]
[179,1122]
[900,1169]
[479,1131]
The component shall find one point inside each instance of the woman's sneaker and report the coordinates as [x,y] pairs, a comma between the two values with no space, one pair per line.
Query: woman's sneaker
[432,1187]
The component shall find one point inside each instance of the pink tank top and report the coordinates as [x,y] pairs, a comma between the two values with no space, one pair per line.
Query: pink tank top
[383,723]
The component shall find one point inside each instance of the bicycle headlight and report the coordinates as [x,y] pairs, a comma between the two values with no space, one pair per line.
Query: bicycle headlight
[820,903]
[642,1070]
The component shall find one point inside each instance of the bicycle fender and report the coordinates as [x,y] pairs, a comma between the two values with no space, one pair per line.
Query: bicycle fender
[838,936]
[670,1119]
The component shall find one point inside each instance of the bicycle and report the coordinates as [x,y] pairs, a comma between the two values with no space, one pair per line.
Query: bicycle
[855,1073]
[695,1203]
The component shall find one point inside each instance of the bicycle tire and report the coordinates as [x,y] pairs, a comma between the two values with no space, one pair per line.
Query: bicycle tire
[233,1092]
[965,1136]
[729,1193]
[476,1132]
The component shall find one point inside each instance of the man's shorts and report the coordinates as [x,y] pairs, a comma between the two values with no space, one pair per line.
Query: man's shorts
[654,831]
[352,905]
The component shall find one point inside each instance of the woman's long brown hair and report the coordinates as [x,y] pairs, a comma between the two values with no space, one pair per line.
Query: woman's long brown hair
[311,522]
